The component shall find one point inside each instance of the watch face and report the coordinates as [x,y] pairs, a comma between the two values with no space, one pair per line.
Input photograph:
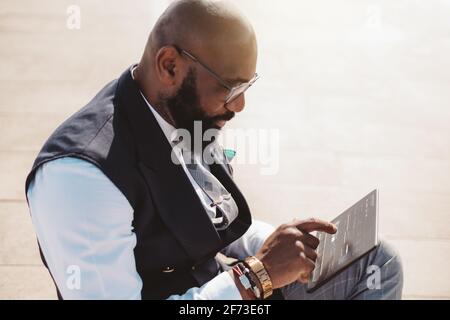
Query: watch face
[244,281]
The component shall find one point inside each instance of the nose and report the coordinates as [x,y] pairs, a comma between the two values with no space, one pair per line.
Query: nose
[237,105]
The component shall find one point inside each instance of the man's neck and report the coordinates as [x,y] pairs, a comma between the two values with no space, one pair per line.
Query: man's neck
[160,108]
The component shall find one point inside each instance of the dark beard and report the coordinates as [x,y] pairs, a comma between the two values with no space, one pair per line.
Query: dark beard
[185,108]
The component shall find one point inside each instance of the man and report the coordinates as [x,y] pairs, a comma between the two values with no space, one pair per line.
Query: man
[122,209]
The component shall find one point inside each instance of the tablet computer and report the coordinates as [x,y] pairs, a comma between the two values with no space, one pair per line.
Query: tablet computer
[357,234]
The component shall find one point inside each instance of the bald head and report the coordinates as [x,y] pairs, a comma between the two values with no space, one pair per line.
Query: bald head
[200,23]
[214,32]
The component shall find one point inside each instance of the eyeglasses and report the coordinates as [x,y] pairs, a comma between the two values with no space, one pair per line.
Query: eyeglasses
[234,91]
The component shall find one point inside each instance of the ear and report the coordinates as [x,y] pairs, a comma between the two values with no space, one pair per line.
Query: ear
[168,66]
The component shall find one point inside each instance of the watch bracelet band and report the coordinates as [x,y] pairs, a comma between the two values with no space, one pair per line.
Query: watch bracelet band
[260,273]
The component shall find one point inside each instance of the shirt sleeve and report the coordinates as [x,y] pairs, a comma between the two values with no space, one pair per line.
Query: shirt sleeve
[222,287]
[251,241]
[84,227]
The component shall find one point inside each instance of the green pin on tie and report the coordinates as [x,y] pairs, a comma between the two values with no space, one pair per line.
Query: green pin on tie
[229,154]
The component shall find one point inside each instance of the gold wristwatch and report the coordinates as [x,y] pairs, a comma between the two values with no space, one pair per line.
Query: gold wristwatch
[258,269]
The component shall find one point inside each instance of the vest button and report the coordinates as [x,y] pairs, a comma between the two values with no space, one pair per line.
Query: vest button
[193,267]
[168,270]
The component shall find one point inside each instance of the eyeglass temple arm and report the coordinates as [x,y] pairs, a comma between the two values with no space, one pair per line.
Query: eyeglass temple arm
[226,85]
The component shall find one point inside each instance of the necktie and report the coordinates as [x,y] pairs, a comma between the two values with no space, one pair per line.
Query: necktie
[226,208]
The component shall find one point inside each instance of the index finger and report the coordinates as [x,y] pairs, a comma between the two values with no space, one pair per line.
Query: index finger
[314,224]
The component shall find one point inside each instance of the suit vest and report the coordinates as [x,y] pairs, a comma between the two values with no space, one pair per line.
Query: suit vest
[176,240]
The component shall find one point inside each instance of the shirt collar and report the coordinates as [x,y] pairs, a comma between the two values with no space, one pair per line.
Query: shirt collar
[167,128]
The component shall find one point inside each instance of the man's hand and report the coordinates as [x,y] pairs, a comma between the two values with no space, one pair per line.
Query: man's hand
[289,253]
